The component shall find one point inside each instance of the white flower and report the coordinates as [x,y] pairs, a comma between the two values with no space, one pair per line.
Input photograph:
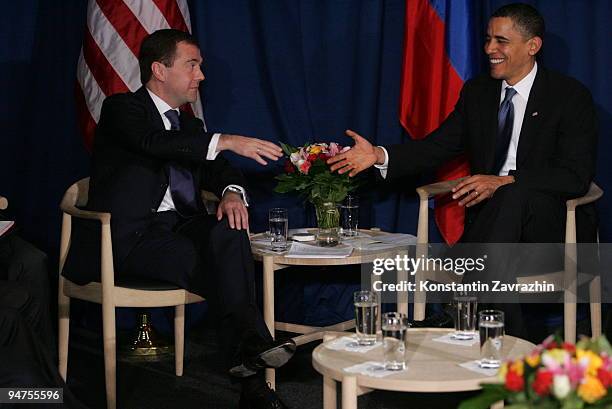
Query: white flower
[295,157]
[561,386]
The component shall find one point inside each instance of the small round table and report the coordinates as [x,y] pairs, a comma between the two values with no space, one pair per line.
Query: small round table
[431,367]
[273,262]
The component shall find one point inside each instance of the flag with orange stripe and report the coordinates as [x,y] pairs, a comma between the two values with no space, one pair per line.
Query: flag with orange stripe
[108,63]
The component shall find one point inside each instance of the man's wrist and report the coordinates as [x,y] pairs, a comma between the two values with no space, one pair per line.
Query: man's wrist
[225,142]
[237,190]
[380,155]
[508,179]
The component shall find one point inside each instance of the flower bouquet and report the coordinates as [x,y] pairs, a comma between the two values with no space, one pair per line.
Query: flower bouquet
[556,375]
[307,173]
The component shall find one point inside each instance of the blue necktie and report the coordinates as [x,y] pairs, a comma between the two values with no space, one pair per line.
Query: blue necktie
[505,122]
[182,187]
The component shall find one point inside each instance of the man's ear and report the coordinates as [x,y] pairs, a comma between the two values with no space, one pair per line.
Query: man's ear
[158,70]
[535,43]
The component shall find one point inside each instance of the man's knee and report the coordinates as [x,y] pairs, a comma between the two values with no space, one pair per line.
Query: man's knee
[510,193]
[14,295]
[28,262]
[223,232]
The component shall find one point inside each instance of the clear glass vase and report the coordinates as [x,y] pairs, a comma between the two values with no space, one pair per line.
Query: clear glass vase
[328,222]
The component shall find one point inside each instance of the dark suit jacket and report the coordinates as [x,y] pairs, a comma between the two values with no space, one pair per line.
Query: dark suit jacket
[557,145]
[128,177]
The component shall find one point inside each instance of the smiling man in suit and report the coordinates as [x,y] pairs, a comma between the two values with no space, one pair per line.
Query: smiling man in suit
[150,161]
[529,133]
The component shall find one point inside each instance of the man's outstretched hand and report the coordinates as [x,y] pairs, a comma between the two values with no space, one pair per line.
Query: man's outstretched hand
[256,149]
[360,157]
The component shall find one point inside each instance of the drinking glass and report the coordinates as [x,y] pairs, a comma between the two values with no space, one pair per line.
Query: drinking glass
[278,229]
[491,326]
[366,316]
[349,216]
[465,316]
[394,329]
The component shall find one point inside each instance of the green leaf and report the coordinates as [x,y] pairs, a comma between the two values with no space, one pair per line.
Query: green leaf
[484,400]
[572,401]
[288,149]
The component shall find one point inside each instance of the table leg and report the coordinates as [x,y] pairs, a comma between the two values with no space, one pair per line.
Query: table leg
[349,392]
[268,307]
[329,393]
[402,296]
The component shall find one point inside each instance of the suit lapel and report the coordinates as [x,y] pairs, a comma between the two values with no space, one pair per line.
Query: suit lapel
[531,120]
[153,113]
[490,108]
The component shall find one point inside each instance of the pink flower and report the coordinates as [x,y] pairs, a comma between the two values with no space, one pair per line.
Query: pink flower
[334,149]
[575,371]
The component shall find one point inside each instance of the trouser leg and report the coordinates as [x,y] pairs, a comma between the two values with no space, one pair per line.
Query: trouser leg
[25,360]
[208,258]
[226,276]
[26,265]
[514,215]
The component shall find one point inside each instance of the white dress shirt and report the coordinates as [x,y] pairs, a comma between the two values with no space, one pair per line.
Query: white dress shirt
[523,89]
[167,203]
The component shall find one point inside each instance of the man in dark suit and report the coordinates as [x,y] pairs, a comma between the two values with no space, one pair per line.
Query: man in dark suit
[150,162]
[529,133]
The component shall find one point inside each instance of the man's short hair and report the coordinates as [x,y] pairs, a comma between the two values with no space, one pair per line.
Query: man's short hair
[526,18]
[160,46]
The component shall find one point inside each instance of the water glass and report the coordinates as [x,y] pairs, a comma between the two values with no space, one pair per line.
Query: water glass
[278,229]
[394,329]
[349,216]
[491,326]
[366,316]
[465,316]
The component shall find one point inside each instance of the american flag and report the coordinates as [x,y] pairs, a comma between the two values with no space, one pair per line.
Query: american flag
[108,63]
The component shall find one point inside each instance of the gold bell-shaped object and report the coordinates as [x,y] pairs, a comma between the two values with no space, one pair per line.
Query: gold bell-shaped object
[146,343]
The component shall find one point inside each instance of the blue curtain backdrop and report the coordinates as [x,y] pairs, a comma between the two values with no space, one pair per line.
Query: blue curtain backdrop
[292,71]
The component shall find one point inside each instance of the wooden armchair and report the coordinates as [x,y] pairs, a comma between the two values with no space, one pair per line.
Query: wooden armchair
[111,292]
[566,279]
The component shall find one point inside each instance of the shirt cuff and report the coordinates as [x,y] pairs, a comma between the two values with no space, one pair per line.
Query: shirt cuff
[212,148]
[383,168]
[237,187]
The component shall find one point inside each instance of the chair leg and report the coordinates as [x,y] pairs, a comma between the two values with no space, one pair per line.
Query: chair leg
[595,298]
[63,313]
[110,354]
[179,338]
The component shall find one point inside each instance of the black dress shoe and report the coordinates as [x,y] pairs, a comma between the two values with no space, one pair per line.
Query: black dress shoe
[437,320]
[261,397]
[274,355]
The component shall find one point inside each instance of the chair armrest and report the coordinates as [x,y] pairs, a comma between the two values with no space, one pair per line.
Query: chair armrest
[592,195]
[86,214]
[208,196]
[3,203]
[438,188]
